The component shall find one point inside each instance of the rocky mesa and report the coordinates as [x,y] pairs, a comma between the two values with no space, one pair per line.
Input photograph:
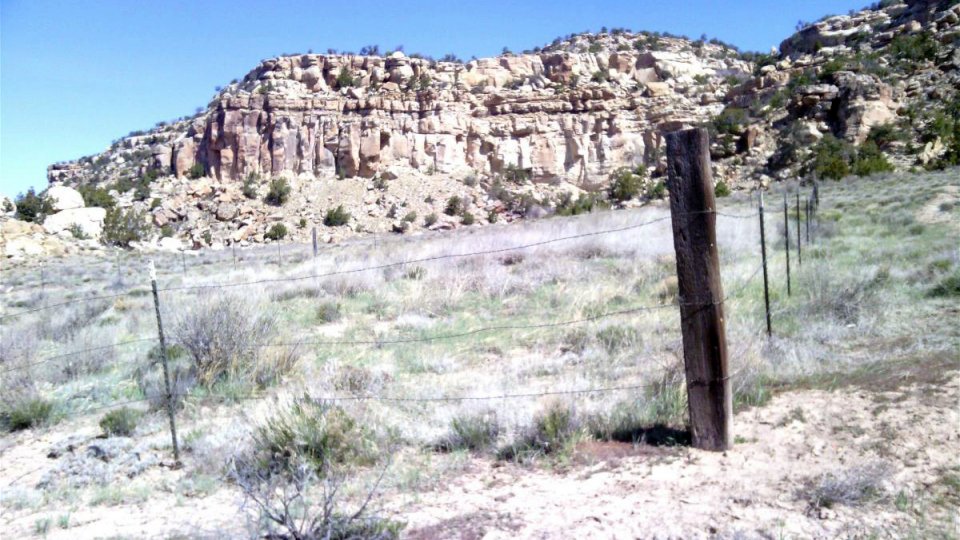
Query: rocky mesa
[400,142]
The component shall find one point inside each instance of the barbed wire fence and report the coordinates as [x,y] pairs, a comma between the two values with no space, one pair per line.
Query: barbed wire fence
[173,397]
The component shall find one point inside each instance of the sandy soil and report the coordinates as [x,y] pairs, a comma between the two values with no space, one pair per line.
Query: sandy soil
[614,490]
[751,490]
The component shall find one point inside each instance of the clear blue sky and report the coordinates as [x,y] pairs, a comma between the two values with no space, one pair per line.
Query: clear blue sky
[74,75]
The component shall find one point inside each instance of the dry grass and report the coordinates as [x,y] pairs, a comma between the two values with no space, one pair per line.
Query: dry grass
[864,279]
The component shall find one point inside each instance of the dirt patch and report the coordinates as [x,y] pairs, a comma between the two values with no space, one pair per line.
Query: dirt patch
[622,490]
[466,527]
[940,209]
[612,452]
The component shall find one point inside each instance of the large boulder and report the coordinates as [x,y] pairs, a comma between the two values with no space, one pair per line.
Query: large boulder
[90,221]
[64,198]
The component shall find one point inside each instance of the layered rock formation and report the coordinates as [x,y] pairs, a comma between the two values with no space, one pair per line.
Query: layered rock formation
[341,128]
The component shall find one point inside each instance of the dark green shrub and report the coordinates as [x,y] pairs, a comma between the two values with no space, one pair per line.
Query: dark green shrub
[250,186]
[474,433]
[345,78]
[321,434]
[329,312]
[625,185]
[948,287]
[96,196]
[584,203]
[870,160]
[336,217]
[77,232]
[120,422]
[516,174]
[32,207]
[914,47]
[467,218]
[279,192]
[454,206]
[721,189]
[196,171]
[600,76]
[731,121]
[885,134]
[25,414]
[121,227]
[831,158]
[552,430]
[166,231]
[657,190]
[430,219]
[276,232]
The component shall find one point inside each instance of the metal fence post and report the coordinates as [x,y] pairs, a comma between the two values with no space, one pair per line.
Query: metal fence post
[763,253]
[786,237]
[166,369]
[799,243]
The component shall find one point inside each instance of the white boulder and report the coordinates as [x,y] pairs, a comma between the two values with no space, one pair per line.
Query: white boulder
[90,221]
[64,198]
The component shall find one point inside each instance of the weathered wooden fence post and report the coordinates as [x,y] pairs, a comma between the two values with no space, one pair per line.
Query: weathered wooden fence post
[693,212]
[763,254]
[314,234]
[166,368]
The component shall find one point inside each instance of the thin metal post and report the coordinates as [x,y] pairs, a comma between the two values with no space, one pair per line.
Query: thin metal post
[806,215]
[799,249]
[786,237]
[166,369]
[183,261]
[314,242]
[763,253]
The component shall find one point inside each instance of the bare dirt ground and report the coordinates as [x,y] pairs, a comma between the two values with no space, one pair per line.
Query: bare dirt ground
[753,490]
[619,490]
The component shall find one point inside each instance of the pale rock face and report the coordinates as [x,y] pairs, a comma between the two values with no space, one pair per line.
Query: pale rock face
[64,198]
[90,221]
[20,239]
[807,133]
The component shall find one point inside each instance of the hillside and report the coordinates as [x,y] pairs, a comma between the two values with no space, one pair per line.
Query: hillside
[394,138]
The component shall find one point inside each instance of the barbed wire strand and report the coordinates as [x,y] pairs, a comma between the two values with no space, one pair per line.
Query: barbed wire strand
[370,268]
[426,339]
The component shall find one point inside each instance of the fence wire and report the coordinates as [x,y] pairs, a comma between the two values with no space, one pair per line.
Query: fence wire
[140,290]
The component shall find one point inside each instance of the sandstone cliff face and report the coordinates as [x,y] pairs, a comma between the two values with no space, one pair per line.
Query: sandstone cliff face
[288,116]
[544,124]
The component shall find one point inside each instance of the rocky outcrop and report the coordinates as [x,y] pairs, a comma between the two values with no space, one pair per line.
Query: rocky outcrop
[393,136]
[559,115]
